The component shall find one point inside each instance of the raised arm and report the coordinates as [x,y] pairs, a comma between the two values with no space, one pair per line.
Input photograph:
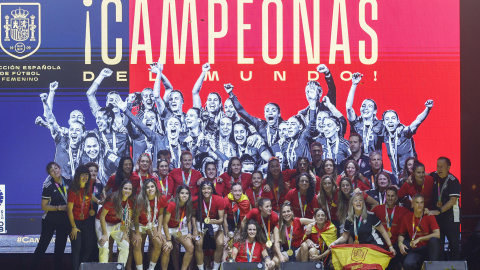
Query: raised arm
[332,89]
[239,108]
[421,117]
[356,77]
[168,88]
[197,102]
[92,100]
[157,68]
[143,128]
[51,94]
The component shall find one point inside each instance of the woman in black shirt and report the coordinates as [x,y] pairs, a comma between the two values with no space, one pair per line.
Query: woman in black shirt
[359,225]
[55,220]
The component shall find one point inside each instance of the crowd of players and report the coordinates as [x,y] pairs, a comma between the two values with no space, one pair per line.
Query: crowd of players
[276,190]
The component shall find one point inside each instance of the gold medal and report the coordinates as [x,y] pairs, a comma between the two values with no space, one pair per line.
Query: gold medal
[269,244]
[123,228]
[439,204]
[179,234]
[389,234]
[206,220]
[91,212]
[290,252]
[82,216]
[333,204]
[356,242]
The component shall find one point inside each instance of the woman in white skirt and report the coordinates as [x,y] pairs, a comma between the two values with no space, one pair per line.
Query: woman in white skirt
[114,220]
[177,226]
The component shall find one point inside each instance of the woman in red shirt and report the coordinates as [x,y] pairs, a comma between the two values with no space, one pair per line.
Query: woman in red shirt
[322,234]
[303,166]
[78,210]
[208,219]
[177,226]
[329,167]
[302,198]
[328,198]
[165,184]
[144,170]
[278,182]
[113,220]
[148,214]
[237,206]
[234,174]
[211,176]
[288,237]
[257,190]
[251,246]
[124,172]
[352,171]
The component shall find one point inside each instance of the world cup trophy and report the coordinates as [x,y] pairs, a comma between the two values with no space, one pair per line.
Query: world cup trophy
[230,246]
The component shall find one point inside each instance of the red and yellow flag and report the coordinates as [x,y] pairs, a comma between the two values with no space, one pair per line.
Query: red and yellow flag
[346,257]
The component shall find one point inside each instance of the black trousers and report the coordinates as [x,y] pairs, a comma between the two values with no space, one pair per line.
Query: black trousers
[451,230]
[415,258]
[59,225]
[82,246]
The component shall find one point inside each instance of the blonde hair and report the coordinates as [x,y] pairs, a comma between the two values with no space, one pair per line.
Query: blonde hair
[351,212]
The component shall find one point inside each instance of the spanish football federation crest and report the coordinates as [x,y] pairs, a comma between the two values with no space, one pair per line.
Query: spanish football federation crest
[20,33]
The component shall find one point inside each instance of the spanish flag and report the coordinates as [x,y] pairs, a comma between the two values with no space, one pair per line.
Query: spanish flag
[346,257]
[328,232]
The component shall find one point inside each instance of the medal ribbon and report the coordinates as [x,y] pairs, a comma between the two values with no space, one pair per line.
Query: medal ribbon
[209,205]
[265,228]
[415,228]
[250,252]
[355,227]
[289,238]
[64,193]
[187,183]
[440,191]
[150,218]
[165,190]
[236,216]
[83,202]
[181,219]
[389,219]
[125,216]
[300,204]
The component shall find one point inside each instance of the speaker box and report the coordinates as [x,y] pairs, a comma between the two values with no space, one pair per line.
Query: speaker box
[243,266]
[301,265]
[102,266]
[442,265]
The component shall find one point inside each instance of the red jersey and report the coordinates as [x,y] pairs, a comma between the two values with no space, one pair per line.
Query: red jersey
[81,203]
[242,252]
[291,173]
[161,203]
[331,206]
[233,208]
[398,215]
[217,205]
[255,215]
[279,199]
[296,231]
[426,227]
[165,186]
[133,178]
[425,190]
[220,188]
[292,197]
[176,176]
[111,216]
[143,178]
[245,179]
[253,197]
[174,221]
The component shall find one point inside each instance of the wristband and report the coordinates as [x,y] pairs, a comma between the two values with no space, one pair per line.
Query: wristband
[74,227]
[169,240]
[267,257]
